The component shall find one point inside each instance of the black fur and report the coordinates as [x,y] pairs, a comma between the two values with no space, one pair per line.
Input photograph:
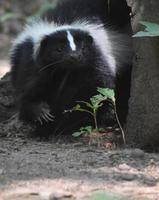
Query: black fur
[72,76]
[110,12]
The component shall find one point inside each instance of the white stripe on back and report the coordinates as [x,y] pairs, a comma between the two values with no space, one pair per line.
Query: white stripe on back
[71,41]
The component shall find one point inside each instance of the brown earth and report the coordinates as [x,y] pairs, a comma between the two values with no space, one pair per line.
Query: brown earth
[31,169]
[61,169]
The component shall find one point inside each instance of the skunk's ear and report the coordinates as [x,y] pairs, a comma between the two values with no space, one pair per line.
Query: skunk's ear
[89,39]
[43,46]
[40,52]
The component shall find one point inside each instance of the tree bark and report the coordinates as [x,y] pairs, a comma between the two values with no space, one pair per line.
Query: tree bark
[142,128]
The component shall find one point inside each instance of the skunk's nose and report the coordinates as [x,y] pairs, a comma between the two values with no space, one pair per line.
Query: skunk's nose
[75,56]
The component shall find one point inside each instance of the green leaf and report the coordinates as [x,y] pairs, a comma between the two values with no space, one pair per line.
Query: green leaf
[98,98]
[96,101]
[77,107]
[7,16]
[83,130]
[104,196]
[150,26]
[77,134]
[87,129]
[107,93]
[86,103]
[146,34]
[151,30]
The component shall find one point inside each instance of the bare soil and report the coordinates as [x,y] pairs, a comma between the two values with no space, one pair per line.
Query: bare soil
[32,169]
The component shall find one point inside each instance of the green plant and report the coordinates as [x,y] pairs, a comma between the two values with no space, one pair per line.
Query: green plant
[110,96]
[7,16]
[151,30]
[92,107]
[45,7]
[83,130]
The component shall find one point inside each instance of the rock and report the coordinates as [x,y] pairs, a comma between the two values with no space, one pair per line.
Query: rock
[124,167]
[128,177]
[150,181]
[137,153]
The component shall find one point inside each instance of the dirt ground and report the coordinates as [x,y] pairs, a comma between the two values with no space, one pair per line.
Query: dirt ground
[46,170]
[31,169]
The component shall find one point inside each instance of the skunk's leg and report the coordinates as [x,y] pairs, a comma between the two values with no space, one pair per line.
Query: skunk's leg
[106,115]
[35,112]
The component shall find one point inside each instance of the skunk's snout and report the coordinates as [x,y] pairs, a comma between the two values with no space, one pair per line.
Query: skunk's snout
[75,56]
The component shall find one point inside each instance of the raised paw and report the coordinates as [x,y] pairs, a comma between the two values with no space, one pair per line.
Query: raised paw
[44,114]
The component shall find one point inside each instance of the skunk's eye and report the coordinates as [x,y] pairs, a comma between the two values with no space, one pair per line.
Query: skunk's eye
[60,48]
[78,39]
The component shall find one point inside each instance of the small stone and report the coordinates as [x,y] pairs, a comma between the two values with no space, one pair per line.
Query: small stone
[152,162]
[2,150]
[124,167]
[150,181]
[137,153]
[1,171]
[56,196]
[128,177]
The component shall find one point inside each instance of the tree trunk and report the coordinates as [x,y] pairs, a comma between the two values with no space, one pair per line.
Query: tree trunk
[142,128]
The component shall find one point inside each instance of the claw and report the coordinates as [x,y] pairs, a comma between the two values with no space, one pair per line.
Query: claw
[49,117]
[46,116]
[43,116]
[39,119]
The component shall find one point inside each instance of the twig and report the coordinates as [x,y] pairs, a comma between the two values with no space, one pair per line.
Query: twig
[118,121]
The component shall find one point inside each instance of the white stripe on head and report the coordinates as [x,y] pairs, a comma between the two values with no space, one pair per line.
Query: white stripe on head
[71,41]
[107,41]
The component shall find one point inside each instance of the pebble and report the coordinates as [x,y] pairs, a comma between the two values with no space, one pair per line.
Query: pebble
[128,177]
[2,150]
[1,171]
[137,153]
[150,181]
[57,196]
[124,167]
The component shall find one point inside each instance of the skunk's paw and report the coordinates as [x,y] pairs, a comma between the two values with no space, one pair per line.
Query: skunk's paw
[43,114]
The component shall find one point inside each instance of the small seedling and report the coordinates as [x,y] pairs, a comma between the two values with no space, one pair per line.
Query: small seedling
[92,107]
[110,94]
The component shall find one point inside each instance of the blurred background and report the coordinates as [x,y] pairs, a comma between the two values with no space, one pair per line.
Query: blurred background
[13,16]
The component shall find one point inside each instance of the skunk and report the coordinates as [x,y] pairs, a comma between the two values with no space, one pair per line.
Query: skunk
[63,56]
